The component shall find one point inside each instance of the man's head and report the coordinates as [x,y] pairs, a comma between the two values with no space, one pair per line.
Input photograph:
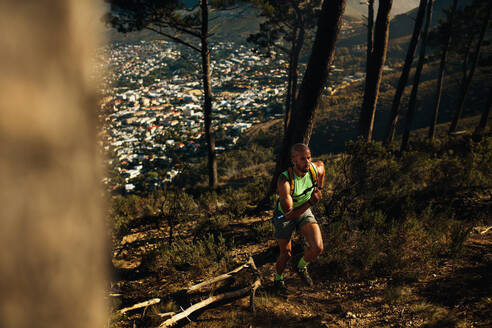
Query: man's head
[301,157]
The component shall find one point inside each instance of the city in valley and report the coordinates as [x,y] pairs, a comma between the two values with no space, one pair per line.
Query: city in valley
[152,112]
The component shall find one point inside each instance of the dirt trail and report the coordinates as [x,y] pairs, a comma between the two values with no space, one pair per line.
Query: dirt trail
[455,293]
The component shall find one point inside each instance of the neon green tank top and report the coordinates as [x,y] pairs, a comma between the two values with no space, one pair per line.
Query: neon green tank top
[300,185]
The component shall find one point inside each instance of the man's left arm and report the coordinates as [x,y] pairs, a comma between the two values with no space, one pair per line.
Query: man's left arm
[316,195]
[320,167]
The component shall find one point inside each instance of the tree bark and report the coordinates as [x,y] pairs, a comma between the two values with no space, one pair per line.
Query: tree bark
[395,108]
[313,83]
[207,94]
[485,115]
[440,79]
[295,52]
[413,96]
[288,99]
[374,70]
[465,87]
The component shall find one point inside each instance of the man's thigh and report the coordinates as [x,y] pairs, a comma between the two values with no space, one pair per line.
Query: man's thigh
[312,234]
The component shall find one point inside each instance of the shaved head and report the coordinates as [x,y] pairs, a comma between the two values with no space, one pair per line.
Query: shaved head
[298,148]
[300,155]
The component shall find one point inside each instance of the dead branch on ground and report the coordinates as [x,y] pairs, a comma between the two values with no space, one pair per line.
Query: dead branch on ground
[141,305]
[228,295]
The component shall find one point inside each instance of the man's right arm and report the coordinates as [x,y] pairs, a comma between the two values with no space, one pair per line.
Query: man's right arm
[286,200]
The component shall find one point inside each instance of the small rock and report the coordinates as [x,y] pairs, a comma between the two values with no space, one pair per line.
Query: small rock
[350,315]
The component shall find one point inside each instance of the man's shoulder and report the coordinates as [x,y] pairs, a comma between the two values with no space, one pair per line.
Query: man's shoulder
[320,167]
[282,178]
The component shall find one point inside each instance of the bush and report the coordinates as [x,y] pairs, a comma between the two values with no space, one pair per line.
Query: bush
[262,231]
[390,212]
[200,255]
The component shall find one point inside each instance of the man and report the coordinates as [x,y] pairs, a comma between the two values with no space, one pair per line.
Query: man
[293,211]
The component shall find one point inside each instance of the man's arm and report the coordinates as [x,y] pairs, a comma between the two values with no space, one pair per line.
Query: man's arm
[286,200]
[320,167]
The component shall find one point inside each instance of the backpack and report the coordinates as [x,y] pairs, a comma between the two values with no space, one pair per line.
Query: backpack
[314,178]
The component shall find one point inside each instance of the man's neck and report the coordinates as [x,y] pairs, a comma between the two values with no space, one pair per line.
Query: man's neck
[298,172]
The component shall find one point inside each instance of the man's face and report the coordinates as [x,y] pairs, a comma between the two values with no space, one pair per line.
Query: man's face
[302,160]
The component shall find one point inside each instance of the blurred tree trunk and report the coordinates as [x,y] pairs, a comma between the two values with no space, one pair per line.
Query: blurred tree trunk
[485,115]
[432,129]
[467,82]
[374,70]
[207,105]
[413,96]
[313,83]
[395,108]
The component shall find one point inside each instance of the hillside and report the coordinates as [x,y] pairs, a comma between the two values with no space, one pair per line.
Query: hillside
[408,248]
[357,8]
[406,241]
[338,115]
[236,25]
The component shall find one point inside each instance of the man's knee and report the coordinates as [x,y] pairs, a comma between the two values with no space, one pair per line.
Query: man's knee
[318,249]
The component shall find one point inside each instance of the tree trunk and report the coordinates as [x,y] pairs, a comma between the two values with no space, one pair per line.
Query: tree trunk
[207,105]
[375,69]
[370,30]
[288,99]
[295,51]
[295,62]
[440,79]
[395,108]
[313,83]
[464,89]
[485,115]
[413,96]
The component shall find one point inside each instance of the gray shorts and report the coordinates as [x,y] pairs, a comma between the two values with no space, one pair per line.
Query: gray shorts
[284,228]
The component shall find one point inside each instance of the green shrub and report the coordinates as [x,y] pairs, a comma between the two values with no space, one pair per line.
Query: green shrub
[390,212]
[235,202]
[262,231]
[199,255]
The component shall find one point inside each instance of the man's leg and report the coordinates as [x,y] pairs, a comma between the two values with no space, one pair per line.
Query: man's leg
[285,246]
[312,234]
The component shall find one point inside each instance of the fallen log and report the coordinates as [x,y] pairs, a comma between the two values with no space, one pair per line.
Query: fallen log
[212,299]
[167,314]
[486,230]
[141,305]
[218,278]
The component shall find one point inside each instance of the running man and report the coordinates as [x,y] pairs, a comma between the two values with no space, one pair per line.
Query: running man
[293,210]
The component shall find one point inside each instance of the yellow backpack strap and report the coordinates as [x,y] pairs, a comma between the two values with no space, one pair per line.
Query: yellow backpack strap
[314,174]
[291,180]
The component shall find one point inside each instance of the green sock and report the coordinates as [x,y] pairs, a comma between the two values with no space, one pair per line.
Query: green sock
[278,277]
[302,263]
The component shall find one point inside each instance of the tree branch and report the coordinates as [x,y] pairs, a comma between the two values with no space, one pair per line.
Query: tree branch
[218,278]
[212,299]
[174,38]
[141,305]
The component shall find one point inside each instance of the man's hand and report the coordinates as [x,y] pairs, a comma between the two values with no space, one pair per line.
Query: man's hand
[315,196]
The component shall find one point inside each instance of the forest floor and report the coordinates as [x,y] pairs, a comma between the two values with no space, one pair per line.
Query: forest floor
[455,292]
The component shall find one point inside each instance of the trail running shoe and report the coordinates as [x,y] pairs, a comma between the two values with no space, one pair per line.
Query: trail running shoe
[280,288]
[304,274]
